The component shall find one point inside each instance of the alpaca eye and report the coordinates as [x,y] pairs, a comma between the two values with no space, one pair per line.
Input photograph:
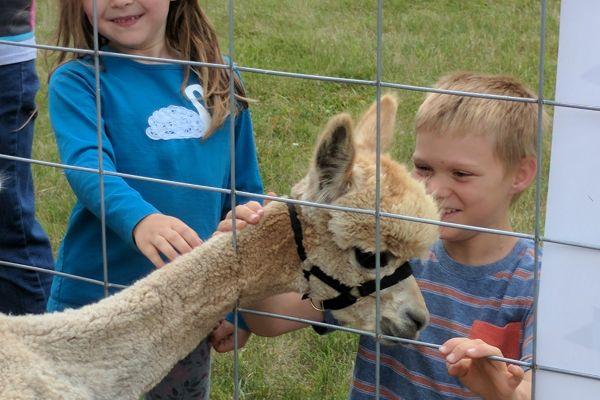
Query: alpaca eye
[367,259]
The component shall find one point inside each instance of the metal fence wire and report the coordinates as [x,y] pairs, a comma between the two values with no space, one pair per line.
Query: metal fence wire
[376,212]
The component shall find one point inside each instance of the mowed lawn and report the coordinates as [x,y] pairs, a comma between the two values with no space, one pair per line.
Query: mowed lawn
[422,40]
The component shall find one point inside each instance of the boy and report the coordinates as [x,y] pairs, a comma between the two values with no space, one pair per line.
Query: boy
[476,156]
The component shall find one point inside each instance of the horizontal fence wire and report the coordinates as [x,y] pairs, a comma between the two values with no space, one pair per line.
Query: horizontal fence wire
[523,235]
[322,78]
[378,83]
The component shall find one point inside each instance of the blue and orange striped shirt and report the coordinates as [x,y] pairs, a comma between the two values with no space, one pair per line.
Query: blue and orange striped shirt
[492,302]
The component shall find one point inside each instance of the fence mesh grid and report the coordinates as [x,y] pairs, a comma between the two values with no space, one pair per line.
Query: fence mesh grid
[378,83]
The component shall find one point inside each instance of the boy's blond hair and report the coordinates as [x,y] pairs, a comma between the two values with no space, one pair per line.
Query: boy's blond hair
[513,124]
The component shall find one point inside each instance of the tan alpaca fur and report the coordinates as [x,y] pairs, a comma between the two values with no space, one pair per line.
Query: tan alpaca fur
[123,345]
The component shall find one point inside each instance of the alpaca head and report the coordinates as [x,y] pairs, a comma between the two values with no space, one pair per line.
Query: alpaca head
[342,244]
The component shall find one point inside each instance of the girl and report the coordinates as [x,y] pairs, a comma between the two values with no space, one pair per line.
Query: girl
[163,121]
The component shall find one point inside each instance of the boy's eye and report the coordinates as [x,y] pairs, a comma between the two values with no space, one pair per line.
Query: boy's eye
[422,170]
[462,174]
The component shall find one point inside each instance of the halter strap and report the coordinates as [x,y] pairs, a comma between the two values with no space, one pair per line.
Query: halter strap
[297,229]
[345,297]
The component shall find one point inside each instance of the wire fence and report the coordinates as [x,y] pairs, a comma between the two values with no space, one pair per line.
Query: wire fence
[378,83]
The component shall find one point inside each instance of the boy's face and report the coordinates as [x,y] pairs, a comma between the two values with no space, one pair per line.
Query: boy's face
[469,183]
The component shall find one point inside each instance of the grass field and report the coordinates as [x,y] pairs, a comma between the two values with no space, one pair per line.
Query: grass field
[422,40]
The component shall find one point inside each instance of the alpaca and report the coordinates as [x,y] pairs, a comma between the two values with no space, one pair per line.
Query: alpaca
[123,345]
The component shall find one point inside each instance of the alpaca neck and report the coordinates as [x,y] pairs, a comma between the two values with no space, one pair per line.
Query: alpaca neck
[141,332]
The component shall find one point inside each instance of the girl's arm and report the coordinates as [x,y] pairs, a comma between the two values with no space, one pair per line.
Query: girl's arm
[72,107]
[138,223]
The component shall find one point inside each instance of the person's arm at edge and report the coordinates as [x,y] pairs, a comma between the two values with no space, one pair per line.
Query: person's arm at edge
[290,304]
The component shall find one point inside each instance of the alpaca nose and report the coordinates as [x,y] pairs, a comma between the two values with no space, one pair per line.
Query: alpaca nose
[418,320]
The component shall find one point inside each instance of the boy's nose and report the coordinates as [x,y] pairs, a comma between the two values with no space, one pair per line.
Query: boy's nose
[438,187]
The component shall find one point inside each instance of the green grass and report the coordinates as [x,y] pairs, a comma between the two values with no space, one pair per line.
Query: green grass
[421,41]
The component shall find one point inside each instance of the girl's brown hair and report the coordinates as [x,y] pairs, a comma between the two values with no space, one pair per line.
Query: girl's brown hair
[189,35]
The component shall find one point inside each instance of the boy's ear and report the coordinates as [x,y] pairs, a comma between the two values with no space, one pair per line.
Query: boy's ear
[524,174]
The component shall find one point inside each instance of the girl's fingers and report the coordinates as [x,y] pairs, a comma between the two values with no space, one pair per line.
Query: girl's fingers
[273,194]
[164,247]
[152,255]
[177,241]
[225,225]
[248,214]
[189,235]
[254,206]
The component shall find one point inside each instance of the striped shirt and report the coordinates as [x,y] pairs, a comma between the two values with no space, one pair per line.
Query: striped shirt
[491,302]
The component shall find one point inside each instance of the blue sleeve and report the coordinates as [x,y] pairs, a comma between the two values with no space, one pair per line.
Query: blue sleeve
[247,176]
[241,321]
[328,318]
[72,108]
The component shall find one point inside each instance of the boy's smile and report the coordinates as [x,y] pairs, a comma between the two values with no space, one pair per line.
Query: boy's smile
[468,181]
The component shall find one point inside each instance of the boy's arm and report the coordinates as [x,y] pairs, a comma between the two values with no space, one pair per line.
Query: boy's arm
[290,304]
[493,380]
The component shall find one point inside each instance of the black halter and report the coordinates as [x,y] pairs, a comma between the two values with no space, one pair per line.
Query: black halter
[345,297]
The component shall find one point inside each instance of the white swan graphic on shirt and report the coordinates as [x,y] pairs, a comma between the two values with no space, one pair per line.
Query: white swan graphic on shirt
[176,122]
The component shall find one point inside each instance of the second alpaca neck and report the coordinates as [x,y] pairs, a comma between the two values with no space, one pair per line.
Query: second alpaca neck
[141,332]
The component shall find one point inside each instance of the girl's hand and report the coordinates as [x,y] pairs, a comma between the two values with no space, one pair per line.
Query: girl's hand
[467,360]
[159,234]
[249,213]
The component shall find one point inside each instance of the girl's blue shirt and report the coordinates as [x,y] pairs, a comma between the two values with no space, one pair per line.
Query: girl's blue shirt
[148,128]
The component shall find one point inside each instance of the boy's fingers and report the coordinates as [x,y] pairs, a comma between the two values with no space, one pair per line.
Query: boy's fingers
[459,369]
[458,352]
[472,349]
[481,350]
[450,344]
[516,375]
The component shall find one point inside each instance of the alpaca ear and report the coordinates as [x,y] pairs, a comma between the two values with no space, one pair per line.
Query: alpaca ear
[366,130]
[334,157]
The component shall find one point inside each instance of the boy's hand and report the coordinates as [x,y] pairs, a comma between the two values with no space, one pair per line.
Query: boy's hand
[466,359]
[159,234]
[221,338]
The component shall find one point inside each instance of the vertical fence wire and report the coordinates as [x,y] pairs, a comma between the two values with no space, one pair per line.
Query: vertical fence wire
[538,187]
[232,154]
[98,99]
[378,72]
